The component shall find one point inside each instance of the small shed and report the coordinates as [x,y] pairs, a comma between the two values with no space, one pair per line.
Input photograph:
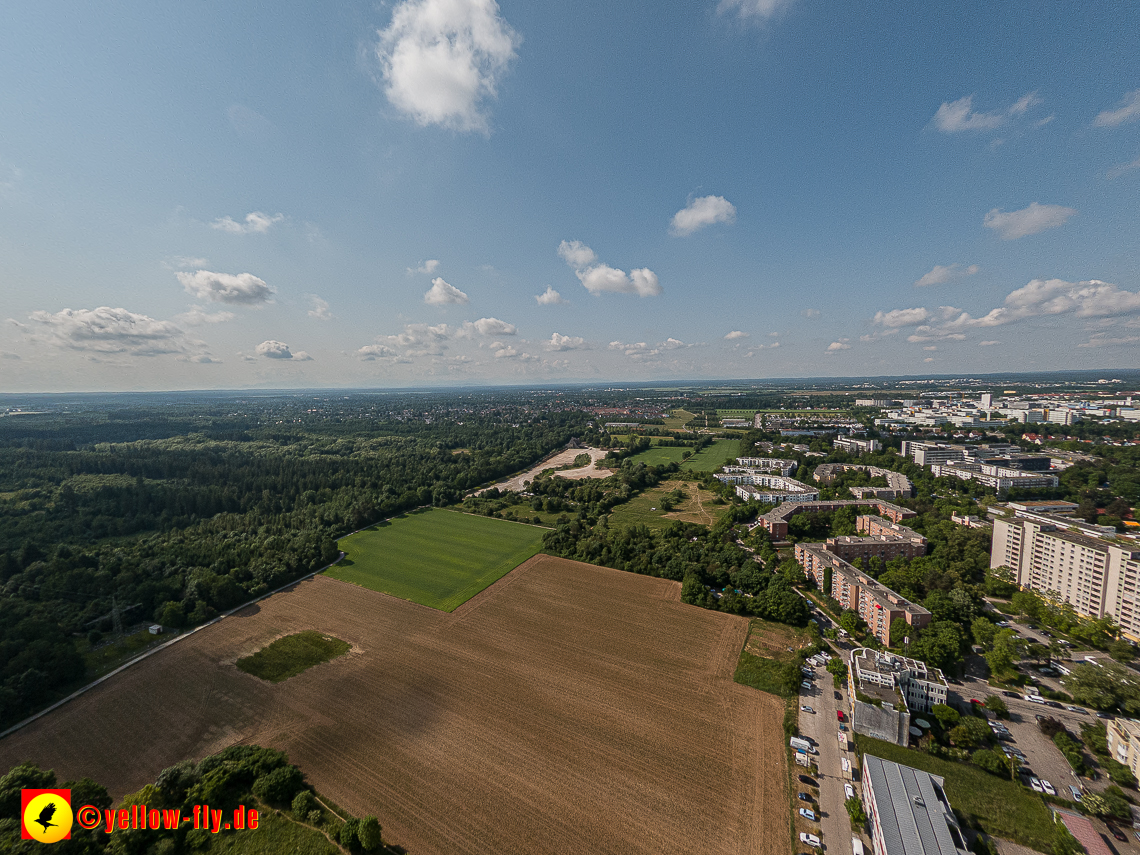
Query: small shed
[156,629]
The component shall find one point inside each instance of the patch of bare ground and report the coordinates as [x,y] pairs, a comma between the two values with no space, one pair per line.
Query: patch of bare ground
[568,709]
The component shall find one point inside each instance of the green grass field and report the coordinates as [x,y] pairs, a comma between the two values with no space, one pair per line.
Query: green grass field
[707,460]
[436,558]
[1002,808]
[735,414]
[289,656]
[645,508]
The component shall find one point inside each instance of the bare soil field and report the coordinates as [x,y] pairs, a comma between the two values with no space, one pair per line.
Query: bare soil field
[562,458]
[567,709]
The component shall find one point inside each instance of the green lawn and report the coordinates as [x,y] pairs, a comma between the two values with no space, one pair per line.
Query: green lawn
[274,834]
[436,558]
[640,510]
[1002,808]
[707,460]
[289,656]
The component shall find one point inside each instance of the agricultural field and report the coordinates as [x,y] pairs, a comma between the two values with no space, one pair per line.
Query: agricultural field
[646,508]
[435,558]
[678,419]
[735,414]
[289,656]
[707,460]
[571,708]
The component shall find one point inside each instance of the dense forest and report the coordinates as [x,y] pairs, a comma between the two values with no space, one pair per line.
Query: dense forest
[204,511]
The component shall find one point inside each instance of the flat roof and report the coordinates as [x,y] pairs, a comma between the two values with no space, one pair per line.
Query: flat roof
[912,810]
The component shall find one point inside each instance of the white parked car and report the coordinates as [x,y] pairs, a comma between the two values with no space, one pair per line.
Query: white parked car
[806,685]
[810,840]
[807,709]
[1048,788]
[848,791]
[807,814]
[1036,785]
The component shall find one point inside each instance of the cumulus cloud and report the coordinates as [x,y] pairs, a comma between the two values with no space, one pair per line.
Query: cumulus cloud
[957,116]
[440,294]
[429,266]
[441,60]
[320,309]
[372,352]
[566,342]
[943,273]
[901,317]
[255,223]
[702,212]
[576,254]
[989,343]
[838,345]
[761,9]
[1011,225]
[1128,111]
[107,330]
[421,339]
[492,327]
[239,289]
[641,352]
[549,297]
[273,349]
[736,334]
[506,351]
[597,277]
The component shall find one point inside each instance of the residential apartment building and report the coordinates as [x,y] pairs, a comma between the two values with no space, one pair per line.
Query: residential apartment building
[920,686]
[1000,477]
[758,485]
[897,483]
[857,446]
[874,602]
[1090,567]
[769,464]
[908,811]
[775,522]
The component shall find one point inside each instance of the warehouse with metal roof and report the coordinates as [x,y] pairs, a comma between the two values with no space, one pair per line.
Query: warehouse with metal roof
[908,811]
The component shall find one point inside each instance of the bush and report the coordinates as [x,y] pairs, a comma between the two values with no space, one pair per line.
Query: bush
[1051,727]
[991,761]
[279,786]
[304,803]
[348,837]
[855,811]
[1118,773]
[368,833]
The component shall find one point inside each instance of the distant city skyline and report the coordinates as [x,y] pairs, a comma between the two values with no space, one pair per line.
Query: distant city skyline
[459,192]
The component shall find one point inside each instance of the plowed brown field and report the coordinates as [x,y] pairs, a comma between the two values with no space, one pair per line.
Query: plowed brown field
[566,709]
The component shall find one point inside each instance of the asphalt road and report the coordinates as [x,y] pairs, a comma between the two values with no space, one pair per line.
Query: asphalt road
[823,727]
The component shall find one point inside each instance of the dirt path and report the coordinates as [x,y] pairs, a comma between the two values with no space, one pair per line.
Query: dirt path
[562,458]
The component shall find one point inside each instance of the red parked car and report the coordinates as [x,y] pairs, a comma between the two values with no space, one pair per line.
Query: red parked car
[839,714]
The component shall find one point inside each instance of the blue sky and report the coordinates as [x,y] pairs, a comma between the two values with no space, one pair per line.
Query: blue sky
[218,195]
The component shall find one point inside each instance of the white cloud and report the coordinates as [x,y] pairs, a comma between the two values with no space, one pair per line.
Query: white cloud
[320,309]
[441,294]
[989,343]
[493,326]
[273,349]
[1117,171]
[1011,225]
[429,266]
[956,116]
[239,289]
[754,8]
[197,316]
[601,277]
[810,313]
[838,345]
[255,223]
[549,297]
[1128,111]
[576,254]
[931,347]
[422,339]
[107,330]
[506,351]
[901,317]
[441,59]
[1102,339]
[372,352]
[943,273]
[203,359]
[302,356]
[735,334]
[929,359]
[566,342]
[185,262]
[702,212]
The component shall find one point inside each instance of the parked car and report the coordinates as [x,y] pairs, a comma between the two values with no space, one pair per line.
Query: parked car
[1116,832]
[838,696]
[806,684]
[1049,788]
[1009,694]
[808,814]
[805,779]
[839,714]
[803,797]
[1036,785]
[848,791]
[1080,710]
[842,728]
[1076,793]
[1104,715]
[807,709]
[1055,705]
[810,840]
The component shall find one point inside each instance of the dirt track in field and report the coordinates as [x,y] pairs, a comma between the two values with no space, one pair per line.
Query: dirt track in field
[567,709]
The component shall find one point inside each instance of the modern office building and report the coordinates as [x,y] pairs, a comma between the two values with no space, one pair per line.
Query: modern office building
[1090,567]
[908,811]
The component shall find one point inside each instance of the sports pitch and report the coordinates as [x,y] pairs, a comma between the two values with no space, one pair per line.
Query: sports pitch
[436,558]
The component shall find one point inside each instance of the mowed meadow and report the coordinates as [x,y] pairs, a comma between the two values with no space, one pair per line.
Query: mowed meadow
[435,558]
[568,708]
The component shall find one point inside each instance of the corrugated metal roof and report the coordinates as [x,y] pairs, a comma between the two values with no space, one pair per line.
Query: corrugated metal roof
[911,809]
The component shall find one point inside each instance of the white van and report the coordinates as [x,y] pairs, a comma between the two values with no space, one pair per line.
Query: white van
[856,846]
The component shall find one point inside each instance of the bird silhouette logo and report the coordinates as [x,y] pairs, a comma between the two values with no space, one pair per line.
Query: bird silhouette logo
[46,815]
